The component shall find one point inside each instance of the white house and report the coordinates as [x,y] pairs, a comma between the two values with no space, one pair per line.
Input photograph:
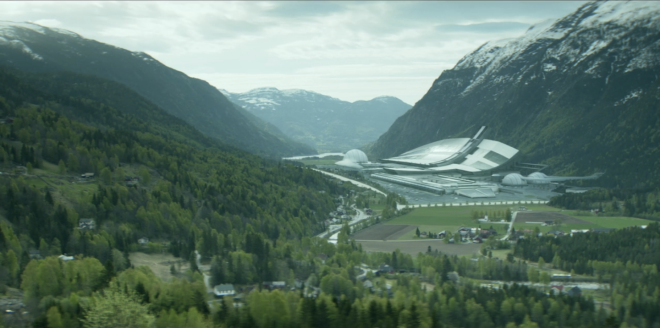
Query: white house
[224,290]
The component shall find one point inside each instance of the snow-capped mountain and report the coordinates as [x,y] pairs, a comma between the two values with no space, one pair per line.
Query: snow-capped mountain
[580,93]
[327,123]
[34,48]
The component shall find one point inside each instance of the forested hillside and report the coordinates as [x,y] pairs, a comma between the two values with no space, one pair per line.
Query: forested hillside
[190,183]
[193,100]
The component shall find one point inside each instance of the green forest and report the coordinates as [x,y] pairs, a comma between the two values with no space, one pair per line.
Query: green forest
[629,202]
[252,220]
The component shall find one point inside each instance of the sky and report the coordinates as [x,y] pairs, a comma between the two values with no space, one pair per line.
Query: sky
[347,50]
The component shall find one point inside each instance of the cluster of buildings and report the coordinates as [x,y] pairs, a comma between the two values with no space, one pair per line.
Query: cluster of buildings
[338,216]
[471,167]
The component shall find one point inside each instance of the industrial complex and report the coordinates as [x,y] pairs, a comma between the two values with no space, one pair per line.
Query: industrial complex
[471,167]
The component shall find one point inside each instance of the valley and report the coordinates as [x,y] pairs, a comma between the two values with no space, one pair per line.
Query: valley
[519,191]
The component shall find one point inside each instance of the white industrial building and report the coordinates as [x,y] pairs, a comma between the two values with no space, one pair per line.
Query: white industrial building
[472,167]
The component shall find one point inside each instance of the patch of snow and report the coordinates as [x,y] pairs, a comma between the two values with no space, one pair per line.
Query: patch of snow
[623,13]
[66,32]
[259,101]
[23,47]
[593,48]
[592,69]
[632,95]
[494,55]
[7,27]
[646,58]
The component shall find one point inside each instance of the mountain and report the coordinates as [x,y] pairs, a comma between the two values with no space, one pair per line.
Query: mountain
[324,122]
[34,48]
[580,93]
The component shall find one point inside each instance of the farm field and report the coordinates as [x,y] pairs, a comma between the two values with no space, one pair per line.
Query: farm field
[416,246]
[436,219]
[576,222]
[159,263]
[383,232]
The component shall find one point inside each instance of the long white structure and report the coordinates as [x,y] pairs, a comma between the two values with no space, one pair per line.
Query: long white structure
[472,167]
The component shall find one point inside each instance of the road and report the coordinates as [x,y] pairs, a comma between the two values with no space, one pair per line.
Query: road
[202,269]
[357,183]
[513,220]
[360,216]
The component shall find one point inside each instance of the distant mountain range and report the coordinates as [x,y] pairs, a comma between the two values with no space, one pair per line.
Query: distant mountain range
[580,93]
[34,48]
[323,122]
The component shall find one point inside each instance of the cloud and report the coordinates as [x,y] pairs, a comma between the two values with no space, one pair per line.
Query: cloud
[304,9]
[488,28]
[349,50]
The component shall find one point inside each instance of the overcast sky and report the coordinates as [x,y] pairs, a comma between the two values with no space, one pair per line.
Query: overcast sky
[348,50]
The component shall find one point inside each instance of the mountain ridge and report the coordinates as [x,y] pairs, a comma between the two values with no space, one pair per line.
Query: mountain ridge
[325,122]
[568,94]
[36,48]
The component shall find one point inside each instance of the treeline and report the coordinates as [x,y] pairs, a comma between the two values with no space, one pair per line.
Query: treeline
[195,197]
[638,203]
[71,295]
[628,258]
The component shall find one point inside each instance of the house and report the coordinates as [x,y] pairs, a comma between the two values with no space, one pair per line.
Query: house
[549,222]
[87,224]
[9,120]
[87,175]
[557,288]
[478,240]
[368,284]
[224,290]
[35,254]
[574,231]
[485,233]
[278,284]
[555,233]
[274,284]
[384,268]
[575,291]
[143,241]
[65,258]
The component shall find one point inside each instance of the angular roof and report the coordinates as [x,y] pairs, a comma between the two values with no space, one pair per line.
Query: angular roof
[459,154]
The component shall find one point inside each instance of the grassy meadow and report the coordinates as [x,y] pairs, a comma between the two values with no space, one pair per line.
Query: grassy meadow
[450,218]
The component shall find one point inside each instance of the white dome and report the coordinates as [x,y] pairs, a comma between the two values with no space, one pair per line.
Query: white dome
[353,158]
[356,156]
[538,178]
[513,179]
[537,175]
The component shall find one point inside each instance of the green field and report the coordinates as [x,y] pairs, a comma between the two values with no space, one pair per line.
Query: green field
[450,218]
[598,222]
